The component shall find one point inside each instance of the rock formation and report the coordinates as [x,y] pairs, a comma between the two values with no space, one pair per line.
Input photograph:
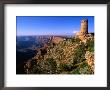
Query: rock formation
[90,59]
[57,39]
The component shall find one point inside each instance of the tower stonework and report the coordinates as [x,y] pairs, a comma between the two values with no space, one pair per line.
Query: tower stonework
[84,26]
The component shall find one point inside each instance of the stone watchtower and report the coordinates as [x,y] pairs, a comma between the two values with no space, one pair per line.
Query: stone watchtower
[84,27]
[82,34]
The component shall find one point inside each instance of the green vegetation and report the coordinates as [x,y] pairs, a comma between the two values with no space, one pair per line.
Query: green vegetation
[66,57]
[75,71]
[90,44]
[75,40]
[79,55]
[82,68]
[45,67]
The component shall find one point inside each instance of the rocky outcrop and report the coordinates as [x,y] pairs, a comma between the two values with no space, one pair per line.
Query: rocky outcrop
[90,59]
[57,39]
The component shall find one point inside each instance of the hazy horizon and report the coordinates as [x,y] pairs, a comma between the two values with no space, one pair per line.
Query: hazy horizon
[48,35]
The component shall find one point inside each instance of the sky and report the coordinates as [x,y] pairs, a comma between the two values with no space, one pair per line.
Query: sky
[51,25]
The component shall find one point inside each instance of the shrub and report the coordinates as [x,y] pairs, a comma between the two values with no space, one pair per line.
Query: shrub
[75,71]
[65,67]
[48,66]
[82,68]
[74,40]
[90,45]
[79,55]
[85,68]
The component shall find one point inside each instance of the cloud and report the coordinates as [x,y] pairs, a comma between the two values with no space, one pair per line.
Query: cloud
[75,31]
